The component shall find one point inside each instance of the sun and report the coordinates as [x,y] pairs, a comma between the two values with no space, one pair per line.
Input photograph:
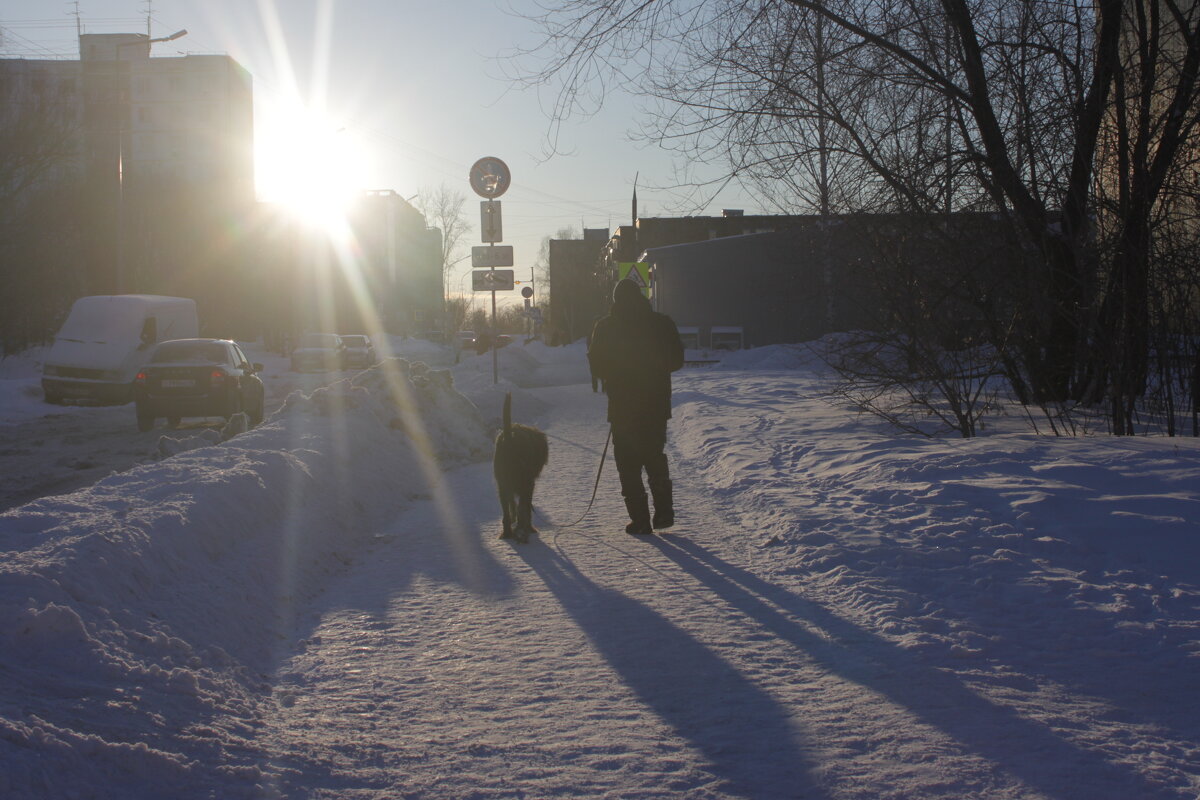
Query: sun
[307,164]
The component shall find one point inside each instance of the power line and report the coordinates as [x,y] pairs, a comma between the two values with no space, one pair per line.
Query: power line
[6,34]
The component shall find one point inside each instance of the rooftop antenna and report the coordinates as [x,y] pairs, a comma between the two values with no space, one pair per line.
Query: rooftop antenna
[149,14]
[78,22]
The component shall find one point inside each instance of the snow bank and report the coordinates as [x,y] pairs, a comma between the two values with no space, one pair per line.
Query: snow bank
[165,592]
[520,367]
[1008,616]
[771,357]
[915,536]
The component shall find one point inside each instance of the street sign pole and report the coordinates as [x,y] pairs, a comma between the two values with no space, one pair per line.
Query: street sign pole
[490,178]
[495,350]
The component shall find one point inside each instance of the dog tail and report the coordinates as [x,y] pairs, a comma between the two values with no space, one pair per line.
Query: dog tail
[507,414]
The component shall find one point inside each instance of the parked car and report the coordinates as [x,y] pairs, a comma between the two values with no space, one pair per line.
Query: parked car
[106,339]
[197,378]
[359,351]
[485,342]
[319,351]
[466,339]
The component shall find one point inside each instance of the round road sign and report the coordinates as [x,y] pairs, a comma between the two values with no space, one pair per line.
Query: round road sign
[527,291]
[490,177]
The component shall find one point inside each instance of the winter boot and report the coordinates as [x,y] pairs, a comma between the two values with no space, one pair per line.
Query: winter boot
[639,513]
[664,503]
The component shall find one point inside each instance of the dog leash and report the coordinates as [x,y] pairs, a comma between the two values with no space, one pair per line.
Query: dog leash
[596,487]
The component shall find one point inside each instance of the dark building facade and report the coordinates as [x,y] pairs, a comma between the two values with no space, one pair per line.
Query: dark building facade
[385,277]
[401,260]
[758,283]
[822,275]
[157,157]
[630,241]
[579,287]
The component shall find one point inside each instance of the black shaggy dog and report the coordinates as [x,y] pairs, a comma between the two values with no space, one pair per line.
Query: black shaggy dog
[521,452]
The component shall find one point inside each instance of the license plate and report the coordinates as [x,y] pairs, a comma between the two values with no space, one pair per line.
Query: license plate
[178,383]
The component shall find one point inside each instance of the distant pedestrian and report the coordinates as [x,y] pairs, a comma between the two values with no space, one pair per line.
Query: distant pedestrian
[633,352]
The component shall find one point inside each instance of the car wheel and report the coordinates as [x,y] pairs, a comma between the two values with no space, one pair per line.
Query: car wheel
[256,414]
[145,421]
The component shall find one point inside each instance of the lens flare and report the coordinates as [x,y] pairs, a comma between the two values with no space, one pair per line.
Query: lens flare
[307,165]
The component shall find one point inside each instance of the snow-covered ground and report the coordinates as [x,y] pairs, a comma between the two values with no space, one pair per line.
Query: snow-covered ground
[320,608]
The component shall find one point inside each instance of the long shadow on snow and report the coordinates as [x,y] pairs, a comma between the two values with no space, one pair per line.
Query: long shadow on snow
[1138,670]
[698,694]
[420,542]
[1024,748]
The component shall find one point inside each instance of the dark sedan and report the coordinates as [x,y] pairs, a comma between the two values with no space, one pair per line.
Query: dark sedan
[324,352]
[197,378]
[359,351]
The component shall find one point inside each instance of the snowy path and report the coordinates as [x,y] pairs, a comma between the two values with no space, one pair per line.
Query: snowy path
[450,664]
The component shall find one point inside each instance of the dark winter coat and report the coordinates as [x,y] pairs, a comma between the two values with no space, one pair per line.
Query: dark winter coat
[633,351]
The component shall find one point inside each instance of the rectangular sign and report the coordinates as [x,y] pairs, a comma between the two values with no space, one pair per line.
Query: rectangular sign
[491,229]
[492,280]
[494,256]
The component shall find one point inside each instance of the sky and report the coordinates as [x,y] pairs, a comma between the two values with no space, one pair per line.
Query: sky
[399,96]
[321,607]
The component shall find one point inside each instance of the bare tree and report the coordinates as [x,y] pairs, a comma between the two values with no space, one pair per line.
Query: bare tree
[443,209]
[1147,189]
[930,107]
[457,311]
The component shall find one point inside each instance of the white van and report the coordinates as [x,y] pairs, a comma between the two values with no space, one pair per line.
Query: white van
[106,339]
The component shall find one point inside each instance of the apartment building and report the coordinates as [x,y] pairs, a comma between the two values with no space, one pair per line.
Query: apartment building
[158,150]
[187,119]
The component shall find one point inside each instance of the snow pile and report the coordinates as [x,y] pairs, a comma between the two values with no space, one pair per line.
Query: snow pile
[776,356]
[519,367]
[165,593]
[27,364]
[1057,575]
[21,383]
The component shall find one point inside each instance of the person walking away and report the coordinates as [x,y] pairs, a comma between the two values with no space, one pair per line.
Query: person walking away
[633,352]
